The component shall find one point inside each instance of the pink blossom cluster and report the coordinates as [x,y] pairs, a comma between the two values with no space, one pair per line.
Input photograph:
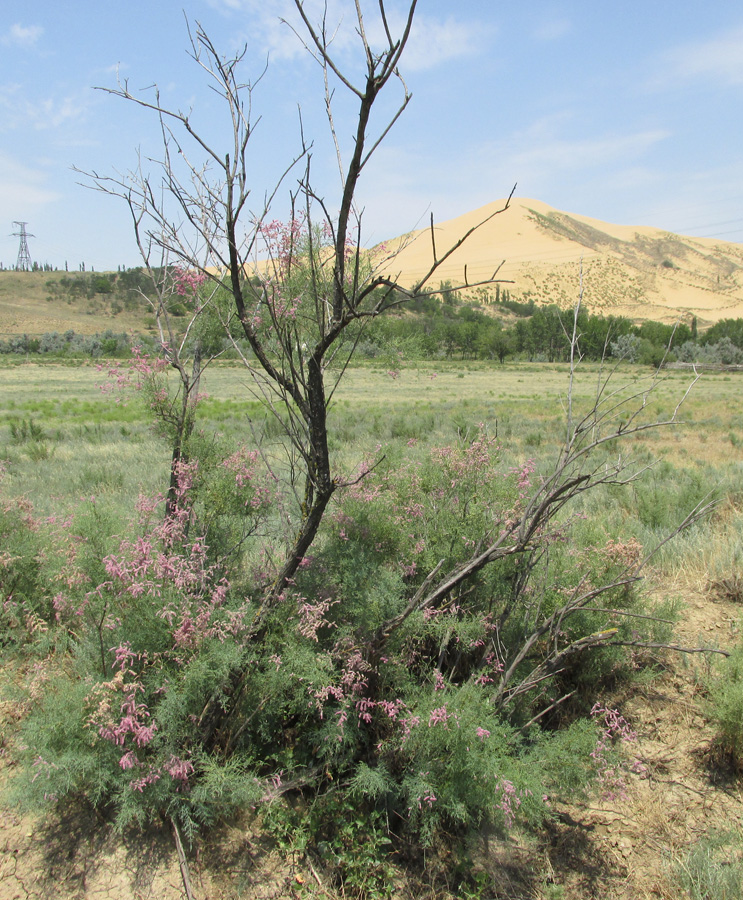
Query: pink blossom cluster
[348,688]
[510,800]
[611,775]
[626,553]
[244,465]
[441,716]
[283,241]
[187,281]
[132,728]
[170,565]
[390,708]
[134,722]
[312,617]
[523,475]
[142,371]
[427,796]
[24,508]
[477,458]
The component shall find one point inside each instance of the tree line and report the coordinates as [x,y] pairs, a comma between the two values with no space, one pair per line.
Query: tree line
[432,327]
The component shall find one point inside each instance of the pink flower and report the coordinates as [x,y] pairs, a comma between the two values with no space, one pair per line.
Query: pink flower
[129,760]
[179,769]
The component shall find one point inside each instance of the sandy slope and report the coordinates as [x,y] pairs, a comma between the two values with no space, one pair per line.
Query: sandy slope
[644,273]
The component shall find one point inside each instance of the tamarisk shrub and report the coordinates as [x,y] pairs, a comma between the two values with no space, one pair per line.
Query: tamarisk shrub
[26,603]
[421,727]
[153,629]
[412,728]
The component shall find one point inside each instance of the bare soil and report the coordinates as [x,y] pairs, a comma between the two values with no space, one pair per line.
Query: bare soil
[619,850]
[626,849]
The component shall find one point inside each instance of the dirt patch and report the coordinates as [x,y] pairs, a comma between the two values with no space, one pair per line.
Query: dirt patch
[625,849]
[76,854]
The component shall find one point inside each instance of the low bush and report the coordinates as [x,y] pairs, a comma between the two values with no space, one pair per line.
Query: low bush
[726,707]
[713,868]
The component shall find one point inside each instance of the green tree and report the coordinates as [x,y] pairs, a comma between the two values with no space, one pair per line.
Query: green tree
[725,328]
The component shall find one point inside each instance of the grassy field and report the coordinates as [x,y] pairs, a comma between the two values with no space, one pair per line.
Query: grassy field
[65,439]
[523,404]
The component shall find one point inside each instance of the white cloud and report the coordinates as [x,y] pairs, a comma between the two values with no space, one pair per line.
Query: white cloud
[276,25]
[537,150]
[545,159]
[20,111]
[272,24]
[720,58]
[56,111]
[432,42]
[22,187]
[22,35]
[698,201]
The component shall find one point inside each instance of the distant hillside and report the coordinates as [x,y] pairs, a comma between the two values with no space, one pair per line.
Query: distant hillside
[643,273]
[36,303]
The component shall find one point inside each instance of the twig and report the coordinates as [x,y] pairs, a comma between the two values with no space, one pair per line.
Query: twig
[623,612]
[682,785]
[669,647]
[545,711]
[182,861]
[317,877]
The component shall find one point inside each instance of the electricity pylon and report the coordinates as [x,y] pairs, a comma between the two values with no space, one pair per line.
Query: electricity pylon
[24,257]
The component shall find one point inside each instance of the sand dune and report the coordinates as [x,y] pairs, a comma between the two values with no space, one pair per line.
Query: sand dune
[641,272]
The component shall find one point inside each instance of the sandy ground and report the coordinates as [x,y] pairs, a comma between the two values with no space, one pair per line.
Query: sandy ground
[625,850]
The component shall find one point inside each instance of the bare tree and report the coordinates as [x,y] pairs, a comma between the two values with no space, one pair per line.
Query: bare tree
[197,215]
[301,294]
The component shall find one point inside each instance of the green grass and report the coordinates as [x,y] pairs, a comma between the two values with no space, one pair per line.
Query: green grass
[101,443]
[713,868]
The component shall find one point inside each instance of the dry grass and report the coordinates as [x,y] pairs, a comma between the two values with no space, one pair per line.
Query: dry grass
[24,309]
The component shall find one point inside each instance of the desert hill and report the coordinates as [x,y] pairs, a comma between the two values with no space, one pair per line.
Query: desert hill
[643,273]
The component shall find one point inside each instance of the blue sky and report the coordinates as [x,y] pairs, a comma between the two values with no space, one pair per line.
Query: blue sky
[631,113]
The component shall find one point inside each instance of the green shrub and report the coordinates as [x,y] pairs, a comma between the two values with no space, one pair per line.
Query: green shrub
[726,706]
[713,868]
[436,731]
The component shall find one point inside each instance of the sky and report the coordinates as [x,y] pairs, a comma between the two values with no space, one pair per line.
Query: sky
[629,113]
